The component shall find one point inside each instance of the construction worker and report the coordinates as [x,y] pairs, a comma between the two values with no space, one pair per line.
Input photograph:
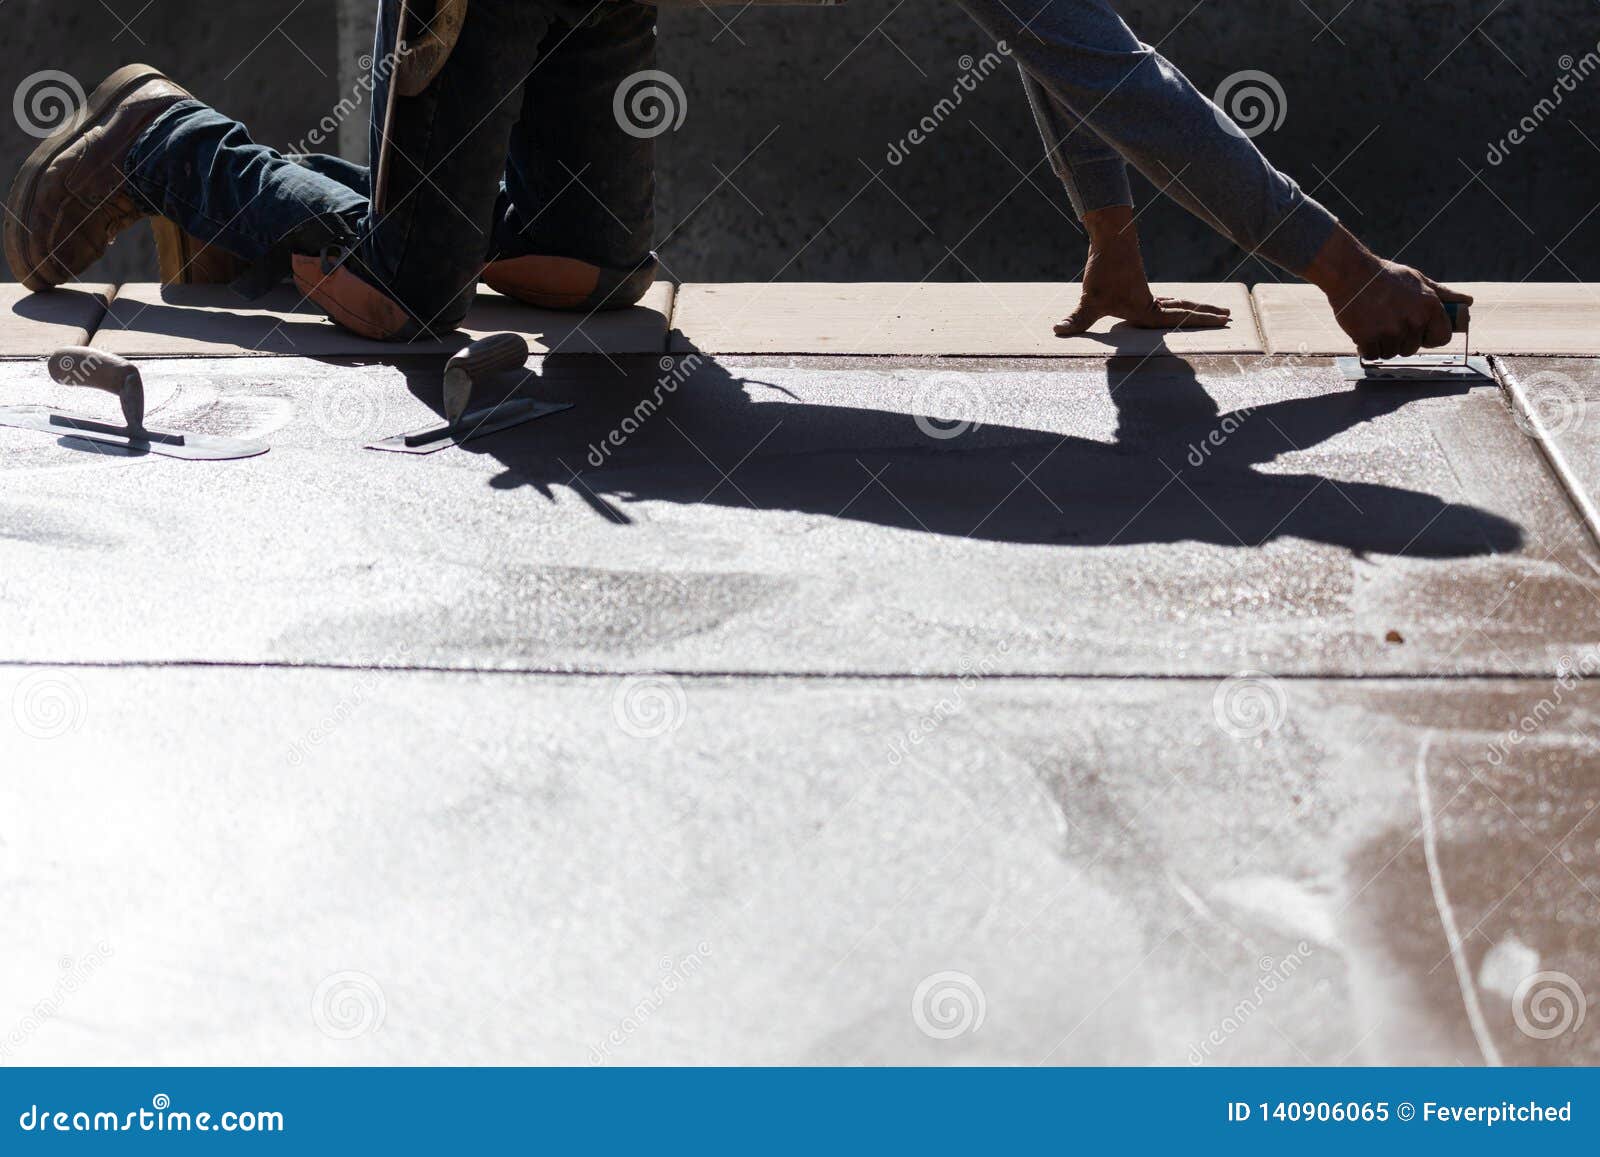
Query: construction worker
[513,164]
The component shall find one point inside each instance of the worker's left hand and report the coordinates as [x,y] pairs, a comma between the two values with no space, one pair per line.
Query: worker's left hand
[1141,308]
[1114,283]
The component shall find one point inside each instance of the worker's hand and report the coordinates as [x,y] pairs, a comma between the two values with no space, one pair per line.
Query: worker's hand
[1388,309]
[1139,307]
[1114,283]
[1397,312]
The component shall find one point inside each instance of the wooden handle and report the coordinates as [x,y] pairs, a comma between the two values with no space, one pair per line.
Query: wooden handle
[1460,314]
[99,370]
[500,351]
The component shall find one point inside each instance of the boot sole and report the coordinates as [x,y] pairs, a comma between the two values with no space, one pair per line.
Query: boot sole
[106,96]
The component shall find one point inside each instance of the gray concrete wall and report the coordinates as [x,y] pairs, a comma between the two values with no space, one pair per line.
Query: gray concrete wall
[1390,111]
[1395,139]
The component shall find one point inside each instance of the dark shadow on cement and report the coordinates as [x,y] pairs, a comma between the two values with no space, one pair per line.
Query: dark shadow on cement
[1164,479]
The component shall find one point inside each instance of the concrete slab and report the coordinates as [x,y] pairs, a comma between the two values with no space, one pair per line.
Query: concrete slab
[990,319]
[34,325]
[1508,318]
[273,867]
[1134,519]
[148,320]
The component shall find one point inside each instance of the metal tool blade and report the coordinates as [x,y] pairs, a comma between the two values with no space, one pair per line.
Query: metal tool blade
[1420,368]
[473,425]
[169,443]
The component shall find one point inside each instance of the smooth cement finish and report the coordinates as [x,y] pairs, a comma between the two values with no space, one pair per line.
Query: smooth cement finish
[1175,519]
[272,866]
[775,710]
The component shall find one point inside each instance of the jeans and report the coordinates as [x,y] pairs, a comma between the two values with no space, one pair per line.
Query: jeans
[1104,100]
[512,150]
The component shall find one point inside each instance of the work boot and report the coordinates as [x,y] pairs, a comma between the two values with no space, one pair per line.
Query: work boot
[567,283]
[72,197]
[186,260]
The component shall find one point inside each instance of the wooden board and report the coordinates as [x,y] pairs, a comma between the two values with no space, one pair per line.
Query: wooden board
[33,325]
[149,320]
[1531,318]
[979,319]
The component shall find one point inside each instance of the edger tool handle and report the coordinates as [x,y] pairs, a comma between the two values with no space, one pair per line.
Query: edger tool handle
[76,365]
[1460,314]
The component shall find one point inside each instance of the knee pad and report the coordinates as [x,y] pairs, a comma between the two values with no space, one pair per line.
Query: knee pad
[568,283]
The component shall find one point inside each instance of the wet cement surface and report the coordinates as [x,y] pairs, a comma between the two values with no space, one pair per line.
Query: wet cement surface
[1164,517]
[918,786]
[515,868]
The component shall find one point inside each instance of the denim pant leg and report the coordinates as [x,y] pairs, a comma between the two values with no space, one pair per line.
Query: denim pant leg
[578,183]
[448,150]
[449,145]
[202,170]
[1087,59]
[347,173]
[1094,173]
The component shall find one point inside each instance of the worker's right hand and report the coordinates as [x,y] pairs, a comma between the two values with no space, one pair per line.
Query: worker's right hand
[1395,312]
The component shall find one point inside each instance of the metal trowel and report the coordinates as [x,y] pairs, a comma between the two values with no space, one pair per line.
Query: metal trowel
[97,369]
[501,351]
[1426,367]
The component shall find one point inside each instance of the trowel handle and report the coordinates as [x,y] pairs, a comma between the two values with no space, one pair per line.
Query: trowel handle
[76,365]
[1460,315]
[500,351]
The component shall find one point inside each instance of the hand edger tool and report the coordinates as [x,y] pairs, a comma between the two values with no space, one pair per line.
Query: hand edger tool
[1426,367]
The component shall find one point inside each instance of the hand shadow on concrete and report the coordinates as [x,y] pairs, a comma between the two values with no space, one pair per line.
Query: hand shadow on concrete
[713,440]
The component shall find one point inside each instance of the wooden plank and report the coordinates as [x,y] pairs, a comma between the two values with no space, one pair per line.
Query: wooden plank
[149,320]
[979,319]
[1528,318]
[33,325]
